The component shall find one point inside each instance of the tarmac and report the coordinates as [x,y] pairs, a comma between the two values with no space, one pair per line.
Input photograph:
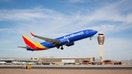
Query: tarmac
[70,69]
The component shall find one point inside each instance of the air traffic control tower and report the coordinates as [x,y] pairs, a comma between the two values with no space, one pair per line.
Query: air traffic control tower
[101,39]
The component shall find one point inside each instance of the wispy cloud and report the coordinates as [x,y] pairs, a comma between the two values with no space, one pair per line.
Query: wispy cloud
[111,13]
[48,18]
[25,14]
[5,29]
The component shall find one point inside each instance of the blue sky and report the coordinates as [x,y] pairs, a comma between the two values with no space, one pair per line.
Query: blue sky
[53,18]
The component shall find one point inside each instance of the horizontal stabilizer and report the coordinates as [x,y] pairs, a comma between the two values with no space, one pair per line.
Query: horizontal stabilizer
[22,47]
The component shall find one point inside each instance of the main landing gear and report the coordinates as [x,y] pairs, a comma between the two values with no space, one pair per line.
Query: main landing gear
[60,47]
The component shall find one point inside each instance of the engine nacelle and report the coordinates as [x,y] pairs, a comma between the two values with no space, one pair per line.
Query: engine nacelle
[70,44]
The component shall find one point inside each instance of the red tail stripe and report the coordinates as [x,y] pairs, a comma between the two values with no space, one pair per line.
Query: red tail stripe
[30,44]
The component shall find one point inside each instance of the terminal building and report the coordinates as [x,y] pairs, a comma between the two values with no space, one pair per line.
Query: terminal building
[58,61]
[64,61]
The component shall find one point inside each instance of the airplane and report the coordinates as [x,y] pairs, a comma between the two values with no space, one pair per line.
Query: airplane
[48,43]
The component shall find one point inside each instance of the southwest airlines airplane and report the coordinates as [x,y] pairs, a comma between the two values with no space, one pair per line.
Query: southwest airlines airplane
[67,40]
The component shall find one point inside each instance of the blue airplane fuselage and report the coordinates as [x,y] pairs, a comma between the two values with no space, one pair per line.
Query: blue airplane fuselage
[69,39]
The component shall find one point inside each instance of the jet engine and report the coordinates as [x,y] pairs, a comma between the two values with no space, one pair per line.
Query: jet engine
[70,44]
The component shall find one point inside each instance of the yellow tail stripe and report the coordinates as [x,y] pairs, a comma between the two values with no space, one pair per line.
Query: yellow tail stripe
[37,44]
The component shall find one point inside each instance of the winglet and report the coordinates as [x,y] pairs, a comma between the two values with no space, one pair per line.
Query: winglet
[32,34]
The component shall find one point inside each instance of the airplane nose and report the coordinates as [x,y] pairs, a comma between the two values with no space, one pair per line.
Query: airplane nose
[94,31]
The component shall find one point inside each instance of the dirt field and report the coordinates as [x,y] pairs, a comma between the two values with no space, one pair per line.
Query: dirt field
[65,71]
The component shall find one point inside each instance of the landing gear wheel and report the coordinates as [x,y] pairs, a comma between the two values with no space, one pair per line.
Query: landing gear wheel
[62,48]
[58,47]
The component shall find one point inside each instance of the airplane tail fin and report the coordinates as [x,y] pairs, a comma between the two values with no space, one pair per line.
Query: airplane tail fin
[32,44]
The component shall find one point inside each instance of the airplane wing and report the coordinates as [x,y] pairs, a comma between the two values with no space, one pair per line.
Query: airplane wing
[53,41]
